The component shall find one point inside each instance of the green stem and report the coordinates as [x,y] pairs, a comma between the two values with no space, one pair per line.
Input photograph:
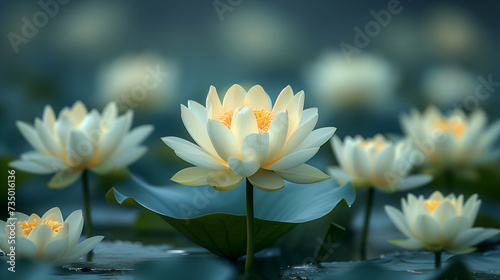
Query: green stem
[366,224]
[437,259]
[250,230]
[86,204]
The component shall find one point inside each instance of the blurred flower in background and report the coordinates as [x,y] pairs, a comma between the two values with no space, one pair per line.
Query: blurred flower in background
[367,81]
[455,142]
[439,223]
[376,163]
[78,140]
[145,81]
[447,85]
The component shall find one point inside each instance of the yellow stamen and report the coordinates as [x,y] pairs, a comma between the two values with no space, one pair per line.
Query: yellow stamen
[379,146]
[28,227]
[262,117]
[455,126]
[432,204]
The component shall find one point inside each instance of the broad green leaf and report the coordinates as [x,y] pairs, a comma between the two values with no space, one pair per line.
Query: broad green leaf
[216,220]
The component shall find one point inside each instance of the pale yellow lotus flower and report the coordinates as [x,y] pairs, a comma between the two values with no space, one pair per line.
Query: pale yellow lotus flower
[456,141]
[77,140]
[439,223]
[375,163]
[245,136]
[49,238]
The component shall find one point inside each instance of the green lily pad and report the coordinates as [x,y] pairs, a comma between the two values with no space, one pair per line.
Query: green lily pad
[216,220]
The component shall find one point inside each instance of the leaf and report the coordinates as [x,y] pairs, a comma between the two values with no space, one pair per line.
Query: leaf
[216,220]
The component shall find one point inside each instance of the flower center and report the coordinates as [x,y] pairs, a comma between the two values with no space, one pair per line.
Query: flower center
[379,146]
[455,126]
[28,227]
[432,204]
[263,118]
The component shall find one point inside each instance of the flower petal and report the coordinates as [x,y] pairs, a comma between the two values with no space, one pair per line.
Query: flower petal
[233,98]
[32,137]
[428,229]
[256,147]
[338,174]
[30,167]
[410,244]
[299,135]
[213,104]
[49,118]
[295,108]
[54,249]
[384,160]
[398,220]
[277,133]
[48,140]
[257,98]
[197,130]
[56,211]
[75,221]
[223,140]
[244,123]
[243,168]
[293,160]
[109,114]
[266,180]
[25,248]
[283,99]
[79,149]
[411,182]
[192,153]
[303,174]
[64,178]
[317,138]
[192,176]
[41,235]
[224,180]
[85,246]
[359,160]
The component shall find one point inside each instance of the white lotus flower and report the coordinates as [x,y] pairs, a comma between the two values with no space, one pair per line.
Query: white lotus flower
[452,142]
[49,238]
[439,223]
[79,140]
[245,136]
[375,163]
[362,81]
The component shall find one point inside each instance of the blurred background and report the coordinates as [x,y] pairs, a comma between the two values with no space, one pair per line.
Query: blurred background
[362,63]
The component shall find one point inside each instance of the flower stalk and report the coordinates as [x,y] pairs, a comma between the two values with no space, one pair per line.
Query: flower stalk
[437,259]
[250,229]
[366,224]
[86,206]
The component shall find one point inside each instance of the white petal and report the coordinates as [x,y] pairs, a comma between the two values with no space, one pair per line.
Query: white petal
[443,212]
[283,99]
[213,104]
[224,180]
[453,227]
[91,125]
[197,130]
[256,147]
[299,135]
[411,182]
[244,123]
[54,249]
[223,140]
[49,118]
[278,130]
[78,111]
[85,246]
[317,138]
[56,211]
[303,174]
[338,174]
[112,138]
[134,138]
[192,176]
[109,114]
[48,140]
[295,108]
[64,178]
[384,160]
[266,180]
[25,248]
[338,148]
[243,168]
[64,125]
[257,98]
[75,221]
[192,153]
[359,160]
[398,220]
[293,160]
[79,149]
[487,233]
[428,229]
[41,235]
[31,136]
[199,111]
[120,160]
[48,162]
[233,98]
[30,167]
[410,244]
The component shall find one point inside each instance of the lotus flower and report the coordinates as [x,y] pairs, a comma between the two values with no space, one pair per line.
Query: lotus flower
[78,140]
[439,223]
[453,142]
[375,163]
[245,136]
[49,238]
